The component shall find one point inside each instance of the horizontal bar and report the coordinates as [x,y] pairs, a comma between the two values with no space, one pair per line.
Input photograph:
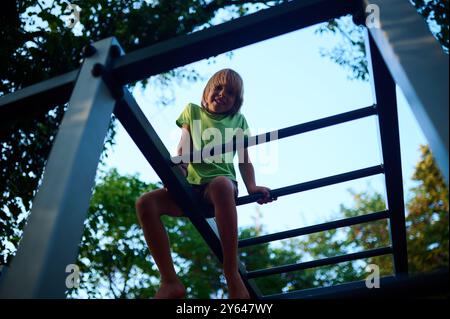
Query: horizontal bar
[285,132]
[422,285]
[37,97]
[327,181]
[51,87]
[231,35]
[320,262]
[348,289]
[314,229]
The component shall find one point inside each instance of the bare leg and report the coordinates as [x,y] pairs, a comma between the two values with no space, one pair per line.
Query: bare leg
[149,208]
[221,193]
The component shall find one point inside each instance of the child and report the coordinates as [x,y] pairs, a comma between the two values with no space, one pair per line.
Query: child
[215,181]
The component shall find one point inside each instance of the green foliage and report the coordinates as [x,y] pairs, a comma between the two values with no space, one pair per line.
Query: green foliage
[427,229]
[20,174]
[427,221]
[112,250]
[350,52]
[435,13]
[265,256]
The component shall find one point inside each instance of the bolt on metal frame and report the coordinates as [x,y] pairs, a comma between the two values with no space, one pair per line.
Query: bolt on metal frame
[96,91]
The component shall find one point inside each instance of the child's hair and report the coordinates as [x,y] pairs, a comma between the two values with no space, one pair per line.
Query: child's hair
[233,79]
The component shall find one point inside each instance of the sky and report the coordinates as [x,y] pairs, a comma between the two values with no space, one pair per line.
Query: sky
[286,82]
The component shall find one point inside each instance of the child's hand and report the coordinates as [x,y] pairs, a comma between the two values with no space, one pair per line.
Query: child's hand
[267,198]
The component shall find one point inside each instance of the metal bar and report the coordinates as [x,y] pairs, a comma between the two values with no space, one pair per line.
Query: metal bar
[419,66]
[59,88]
[36,98]
[338,291]
[383,87]
[153,149]
[228,36]
[335,179]
[314,229]
[284,132]
[422,285]
[55,226]
[320,262]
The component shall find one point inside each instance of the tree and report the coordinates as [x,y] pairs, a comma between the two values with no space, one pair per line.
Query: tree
[38,45]
[427,229]
[112,251]
[427,220]
[350,52]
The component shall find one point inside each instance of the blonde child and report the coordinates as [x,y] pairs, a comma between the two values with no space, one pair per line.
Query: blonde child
[214,180]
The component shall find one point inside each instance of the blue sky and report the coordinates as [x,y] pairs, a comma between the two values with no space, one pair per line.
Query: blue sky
[286,82]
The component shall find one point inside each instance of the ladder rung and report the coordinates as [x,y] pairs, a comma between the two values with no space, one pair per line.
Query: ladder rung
[314,229]
[421,285]
[340,290]
[326,181]
[320,262]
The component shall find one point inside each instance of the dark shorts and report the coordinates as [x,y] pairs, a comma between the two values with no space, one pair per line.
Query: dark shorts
[199,190]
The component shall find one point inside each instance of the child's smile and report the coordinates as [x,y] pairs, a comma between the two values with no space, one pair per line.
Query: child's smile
[221,99]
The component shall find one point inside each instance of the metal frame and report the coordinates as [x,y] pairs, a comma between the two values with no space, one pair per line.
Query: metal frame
[419,67]
[55,226]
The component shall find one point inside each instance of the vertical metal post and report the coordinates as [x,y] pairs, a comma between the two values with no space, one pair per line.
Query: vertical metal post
[55,225]
[383,87]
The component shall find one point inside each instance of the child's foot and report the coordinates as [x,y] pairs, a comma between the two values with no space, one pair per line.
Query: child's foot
[170,291]
[236,288]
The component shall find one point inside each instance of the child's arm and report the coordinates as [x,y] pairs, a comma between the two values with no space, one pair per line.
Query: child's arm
[248,175]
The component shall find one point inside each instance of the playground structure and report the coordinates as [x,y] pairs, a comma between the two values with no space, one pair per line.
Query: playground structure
[400,51]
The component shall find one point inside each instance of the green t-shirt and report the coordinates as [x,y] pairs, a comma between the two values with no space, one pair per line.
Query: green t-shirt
[216,129]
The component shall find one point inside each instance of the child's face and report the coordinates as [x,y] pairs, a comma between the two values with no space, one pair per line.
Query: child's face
[221,98]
